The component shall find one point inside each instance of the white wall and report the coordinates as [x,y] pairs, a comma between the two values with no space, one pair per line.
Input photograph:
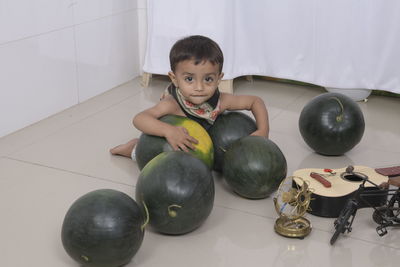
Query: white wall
[142,26]
[57,53]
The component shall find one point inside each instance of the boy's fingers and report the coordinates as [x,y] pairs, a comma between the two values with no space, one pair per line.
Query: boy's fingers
[190,145]
[193,140]
[189,137]
[185,130]
[384,185]
[181,147]
[394,181]
[184,148]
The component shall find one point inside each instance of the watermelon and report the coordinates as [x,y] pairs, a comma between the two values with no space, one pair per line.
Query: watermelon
[331,124]
[178,191]
[254,167]
[150,146]
[227,128]
[103,228]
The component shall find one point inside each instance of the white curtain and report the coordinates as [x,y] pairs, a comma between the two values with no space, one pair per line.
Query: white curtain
[341,43]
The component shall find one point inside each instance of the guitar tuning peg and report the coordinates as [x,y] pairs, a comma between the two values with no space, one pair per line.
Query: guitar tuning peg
[350,169]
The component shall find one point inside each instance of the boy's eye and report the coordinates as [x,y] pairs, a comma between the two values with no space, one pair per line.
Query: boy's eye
[189,79]
[209,79]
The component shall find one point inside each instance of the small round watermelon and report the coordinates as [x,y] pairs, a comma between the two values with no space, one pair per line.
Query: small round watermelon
[227,128]
[254,167]
[178,191]
[331,124]
[103,228]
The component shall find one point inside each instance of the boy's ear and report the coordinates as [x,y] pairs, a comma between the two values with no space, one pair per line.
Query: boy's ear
[173,78]
[221,76]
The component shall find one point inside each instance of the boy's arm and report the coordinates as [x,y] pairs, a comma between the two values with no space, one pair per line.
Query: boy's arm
[148,122]
[246,102]
[395,181]
[392,181]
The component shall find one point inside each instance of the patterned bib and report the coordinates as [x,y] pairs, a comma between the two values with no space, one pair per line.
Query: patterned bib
[207,111]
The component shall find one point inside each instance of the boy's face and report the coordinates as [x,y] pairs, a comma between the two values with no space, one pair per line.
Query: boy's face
[197,83]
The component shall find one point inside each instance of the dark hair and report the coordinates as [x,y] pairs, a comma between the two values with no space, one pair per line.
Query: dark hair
[196,47]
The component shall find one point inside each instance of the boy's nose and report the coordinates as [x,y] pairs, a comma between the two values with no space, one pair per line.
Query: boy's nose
[199,86]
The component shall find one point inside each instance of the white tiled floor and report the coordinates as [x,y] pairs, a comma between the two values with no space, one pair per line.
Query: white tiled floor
[48,165]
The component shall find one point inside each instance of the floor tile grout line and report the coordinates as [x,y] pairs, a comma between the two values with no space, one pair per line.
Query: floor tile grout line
[284,109]
[243,211]
[381,150]
[316,228]
[73,123]
[67,171]
[371,242]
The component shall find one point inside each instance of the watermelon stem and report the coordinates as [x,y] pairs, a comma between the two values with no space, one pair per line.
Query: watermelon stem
[86,258]
[147,217]
[339,118]
[173,213]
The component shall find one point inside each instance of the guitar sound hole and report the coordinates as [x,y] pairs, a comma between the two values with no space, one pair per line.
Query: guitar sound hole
[352,177]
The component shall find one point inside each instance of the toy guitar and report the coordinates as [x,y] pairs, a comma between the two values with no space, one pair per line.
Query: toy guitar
[332,187]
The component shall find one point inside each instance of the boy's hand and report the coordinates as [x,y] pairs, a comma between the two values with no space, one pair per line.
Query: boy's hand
[384,185]
[260,133]
[179,138]
[395,181]
[392,181]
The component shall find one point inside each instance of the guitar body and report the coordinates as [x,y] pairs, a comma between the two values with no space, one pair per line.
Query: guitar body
[330,196]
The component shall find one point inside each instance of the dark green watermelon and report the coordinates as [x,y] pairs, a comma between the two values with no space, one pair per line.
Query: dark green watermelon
[103,228]
[229,127]
[178,191]
[150,146]
[331,124]
[254,167]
